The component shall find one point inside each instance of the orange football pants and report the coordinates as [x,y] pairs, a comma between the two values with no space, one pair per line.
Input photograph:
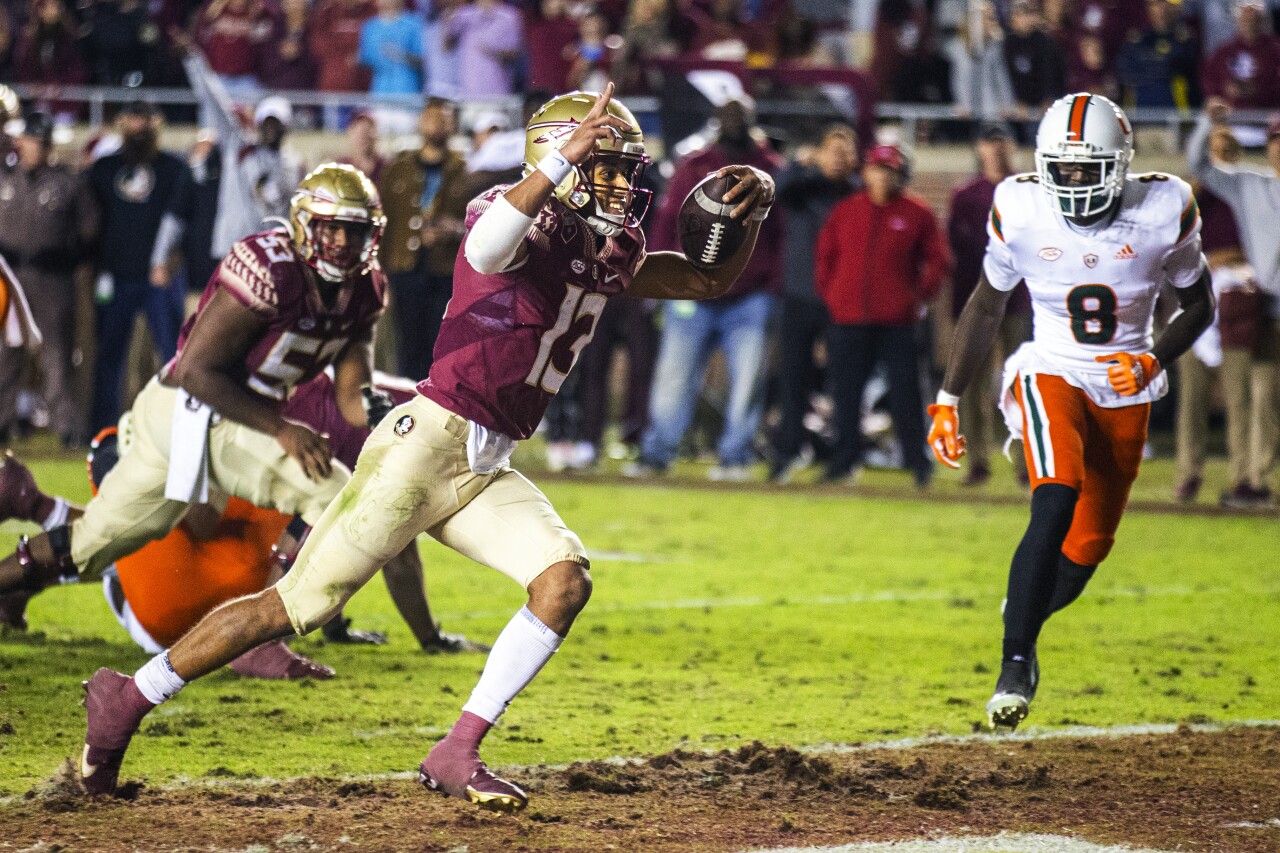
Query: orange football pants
[1069,439]
[171,583]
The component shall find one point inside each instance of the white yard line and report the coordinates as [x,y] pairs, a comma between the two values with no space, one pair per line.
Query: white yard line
[1004,842]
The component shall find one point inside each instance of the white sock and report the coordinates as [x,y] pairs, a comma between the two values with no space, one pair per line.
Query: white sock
[157,681]
[57,516]
[520,652]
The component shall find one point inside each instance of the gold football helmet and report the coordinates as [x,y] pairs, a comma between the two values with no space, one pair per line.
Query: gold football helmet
[605,190]
[334,193]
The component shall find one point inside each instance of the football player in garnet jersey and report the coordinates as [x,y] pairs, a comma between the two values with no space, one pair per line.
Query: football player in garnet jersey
[539,259]
[283,305]
[1095,246]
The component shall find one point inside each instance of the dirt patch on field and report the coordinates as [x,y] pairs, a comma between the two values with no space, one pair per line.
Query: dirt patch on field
[1190,790]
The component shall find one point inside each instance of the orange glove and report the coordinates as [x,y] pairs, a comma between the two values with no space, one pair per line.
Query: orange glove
[1130,373]
[944,435]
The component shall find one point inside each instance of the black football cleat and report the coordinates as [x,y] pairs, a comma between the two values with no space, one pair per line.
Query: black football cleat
[1015,689]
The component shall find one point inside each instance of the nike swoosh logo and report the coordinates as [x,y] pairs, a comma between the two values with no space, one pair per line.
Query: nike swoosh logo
[610,277]
[87,769]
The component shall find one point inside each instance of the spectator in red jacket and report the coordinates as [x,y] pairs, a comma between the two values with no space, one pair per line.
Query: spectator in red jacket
[880,258]
[1246,70]
[48,51]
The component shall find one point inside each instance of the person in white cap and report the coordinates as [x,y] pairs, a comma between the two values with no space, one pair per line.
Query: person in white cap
[258,175]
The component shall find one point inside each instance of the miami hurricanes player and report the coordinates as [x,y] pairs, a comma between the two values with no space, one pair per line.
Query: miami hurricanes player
[283,305]
[539,259]
[1095,245]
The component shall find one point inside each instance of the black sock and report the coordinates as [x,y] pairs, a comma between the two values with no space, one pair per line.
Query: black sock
[1072,578]
[1033,575]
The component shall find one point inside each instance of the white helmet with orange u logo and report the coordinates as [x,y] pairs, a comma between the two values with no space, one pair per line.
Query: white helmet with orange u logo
[1083,149]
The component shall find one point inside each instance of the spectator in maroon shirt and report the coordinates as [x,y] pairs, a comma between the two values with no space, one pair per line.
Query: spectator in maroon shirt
[283,61]
[48,51]
[880,258]
[1088,69]
[230,33]
[967,234]
[1246,70]
[547,32]
[334,44]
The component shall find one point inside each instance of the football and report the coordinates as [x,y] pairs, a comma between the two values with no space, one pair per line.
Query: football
[708,236]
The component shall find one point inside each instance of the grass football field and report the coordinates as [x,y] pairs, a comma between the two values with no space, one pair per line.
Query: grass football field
[720,617]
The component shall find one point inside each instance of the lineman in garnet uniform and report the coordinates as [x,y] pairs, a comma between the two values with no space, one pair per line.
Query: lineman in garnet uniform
[284,305]
[539,260]
[1094,247]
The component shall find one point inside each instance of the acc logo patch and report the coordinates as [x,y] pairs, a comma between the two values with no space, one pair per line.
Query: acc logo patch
[404,426]
[1049,253]
[306,324]
[1090,261]
[579,266]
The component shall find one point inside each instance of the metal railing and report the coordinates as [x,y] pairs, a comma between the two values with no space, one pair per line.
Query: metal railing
[909,115]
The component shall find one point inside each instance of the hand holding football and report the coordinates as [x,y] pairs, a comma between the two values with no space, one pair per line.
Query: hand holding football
[709,236]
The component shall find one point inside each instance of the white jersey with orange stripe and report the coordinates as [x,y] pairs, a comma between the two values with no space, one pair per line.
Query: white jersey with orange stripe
[1093,290]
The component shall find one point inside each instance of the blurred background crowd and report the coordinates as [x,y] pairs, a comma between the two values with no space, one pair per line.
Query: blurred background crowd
[887,124]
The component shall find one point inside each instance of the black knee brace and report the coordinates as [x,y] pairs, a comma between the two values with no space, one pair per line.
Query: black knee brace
[60,543]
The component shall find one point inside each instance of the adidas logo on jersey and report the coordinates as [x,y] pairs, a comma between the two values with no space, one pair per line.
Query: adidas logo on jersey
[1125,254]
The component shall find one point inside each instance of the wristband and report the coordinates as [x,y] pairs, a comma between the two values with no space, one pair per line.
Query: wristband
[760,214]
[555,166]
[945,399]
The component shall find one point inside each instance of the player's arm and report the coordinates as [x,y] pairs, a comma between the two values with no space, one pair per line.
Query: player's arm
[1197,304]
[211,368]
[496,240]
[671,275]
[352,373]
[976,332]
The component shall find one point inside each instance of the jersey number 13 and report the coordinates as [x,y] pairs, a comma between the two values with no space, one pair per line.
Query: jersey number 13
[577,304]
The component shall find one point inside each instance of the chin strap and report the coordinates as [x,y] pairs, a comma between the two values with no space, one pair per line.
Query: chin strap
[603,227]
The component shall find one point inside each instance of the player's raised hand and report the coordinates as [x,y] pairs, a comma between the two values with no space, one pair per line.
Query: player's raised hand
[751,194]
[308,447]
[1129,373]
[599,124]
[944,436]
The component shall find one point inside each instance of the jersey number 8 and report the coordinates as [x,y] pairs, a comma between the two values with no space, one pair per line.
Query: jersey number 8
[1093,313]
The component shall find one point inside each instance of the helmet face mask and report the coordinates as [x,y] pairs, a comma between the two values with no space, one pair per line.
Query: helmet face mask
[605,190]
[336,221]
[1083,149]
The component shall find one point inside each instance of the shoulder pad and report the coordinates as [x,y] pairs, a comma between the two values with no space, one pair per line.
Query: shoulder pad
[259,271]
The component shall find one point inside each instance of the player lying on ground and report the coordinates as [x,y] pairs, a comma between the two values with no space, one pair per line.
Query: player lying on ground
[540,258]
[1094,246]
[217,554]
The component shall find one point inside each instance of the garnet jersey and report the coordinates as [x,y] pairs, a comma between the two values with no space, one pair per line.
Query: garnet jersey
[508,340]
[264,274]
[1093,290]
[315,405]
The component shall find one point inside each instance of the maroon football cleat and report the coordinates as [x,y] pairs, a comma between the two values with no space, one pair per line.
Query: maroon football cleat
[455,769]
[273,659]
[20,497]
[116,708]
